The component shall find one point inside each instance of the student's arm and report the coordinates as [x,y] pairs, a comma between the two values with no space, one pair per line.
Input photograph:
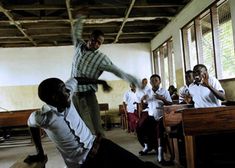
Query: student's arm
[166,98]
[39,156]
[218,93]
[162,98]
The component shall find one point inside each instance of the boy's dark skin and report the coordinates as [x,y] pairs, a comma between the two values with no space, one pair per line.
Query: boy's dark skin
[60,100]
[201,75]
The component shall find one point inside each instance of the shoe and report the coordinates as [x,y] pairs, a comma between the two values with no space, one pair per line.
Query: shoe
[145,152]
[166,163]
[142,153]
[2,139]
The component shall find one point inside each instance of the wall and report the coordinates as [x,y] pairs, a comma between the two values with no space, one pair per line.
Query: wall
[22,69]
[173,29]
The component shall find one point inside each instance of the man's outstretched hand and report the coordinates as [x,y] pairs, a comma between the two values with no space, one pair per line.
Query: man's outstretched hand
[35,158]
[106,87]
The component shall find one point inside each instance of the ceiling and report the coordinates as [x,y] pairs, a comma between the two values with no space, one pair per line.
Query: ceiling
[35,23]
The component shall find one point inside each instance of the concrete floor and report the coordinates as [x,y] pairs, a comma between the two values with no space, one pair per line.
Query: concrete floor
[9,155]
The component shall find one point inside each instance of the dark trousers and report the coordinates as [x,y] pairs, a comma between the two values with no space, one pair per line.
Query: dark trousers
[111,155]
[149,131]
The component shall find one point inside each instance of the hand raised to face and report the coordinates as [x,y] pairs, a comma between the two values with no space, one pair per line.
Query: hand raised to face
[205,78]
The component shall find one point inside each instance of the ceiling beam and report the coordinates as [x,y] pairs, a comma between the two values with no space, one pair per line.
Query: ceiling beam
[124,20]
[114,6]
[86,21]
[69,14]
[19,27]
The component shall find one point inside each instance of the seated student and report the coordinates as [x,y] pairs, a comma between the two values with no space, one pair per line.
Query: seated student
[73,139]
[184,96]
[206,91]
[173,92]
[152,128]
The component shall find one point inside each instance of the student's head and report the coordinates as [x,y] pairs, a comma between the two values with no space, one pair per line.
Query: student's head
[172,89]
[189,77]
[53,92]
[133,87]
[198,71]
[144,82]
[155,81]
[95,40]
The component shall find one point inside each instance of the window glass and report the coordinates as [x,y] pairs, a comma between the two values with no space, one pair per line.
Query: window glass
[226,41]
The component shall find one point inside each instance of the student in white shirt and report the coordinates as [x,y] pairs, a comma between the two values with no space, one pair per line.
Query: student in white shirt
[130,106]
[206,91]
[184,96]
[147,134]
[63,125]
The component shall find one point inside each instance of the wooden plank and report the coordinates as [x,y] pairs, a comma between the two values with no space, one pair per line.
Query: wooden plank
[171,117]
[15,118]
[199,121]
[190,151]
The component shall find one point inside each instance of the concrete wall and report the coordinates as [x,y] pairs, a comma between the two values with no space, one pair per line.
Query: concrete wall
[22,69]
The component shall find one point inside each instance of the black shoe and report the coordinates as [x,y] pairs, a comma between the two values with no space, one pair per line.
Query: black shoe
[142,153]
[166,163]
[2,139]
[145,151]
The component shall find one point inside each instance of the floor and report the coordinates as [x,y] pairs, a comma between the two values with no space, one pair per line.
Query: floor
[9,155]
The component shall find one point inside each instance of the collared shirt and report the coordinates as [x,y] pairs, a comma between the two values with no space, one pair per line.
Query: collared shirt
[91,64]
[182,92]
[203,96]
[131,100]
[142,92]
[66,129]
[155,106]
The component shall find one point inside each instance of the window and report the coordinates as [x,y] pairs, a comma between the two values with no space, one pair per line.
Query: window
[208,40]
[163,58]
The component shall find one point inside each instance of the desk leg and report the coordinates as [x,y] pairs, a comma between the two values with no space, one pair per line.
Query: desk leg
[190,151]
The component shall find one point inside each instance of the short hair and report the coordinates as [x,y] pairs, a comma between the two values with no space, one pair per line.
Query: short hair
[155,75]
[188,72]
[47,88]
[97,33]
[199,66]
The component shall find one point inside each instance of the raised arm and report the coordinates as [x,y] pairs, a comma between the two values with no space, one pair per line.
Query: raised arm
[77,30]
[218,93]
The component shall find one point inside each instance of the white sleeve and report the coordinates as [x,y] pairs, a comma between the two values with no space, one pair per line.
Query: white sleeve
[71,84]
[125,97]
[167,96]
[32,119]
[216,84]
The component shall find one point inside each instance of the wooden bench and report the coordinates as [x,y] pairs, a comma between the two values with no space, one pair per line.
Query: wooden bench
[21,164]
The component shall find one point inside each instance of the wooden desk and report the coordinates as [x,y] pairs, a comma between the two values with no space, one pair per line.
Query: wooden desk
[15,118]
[172,118]
[203,121]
